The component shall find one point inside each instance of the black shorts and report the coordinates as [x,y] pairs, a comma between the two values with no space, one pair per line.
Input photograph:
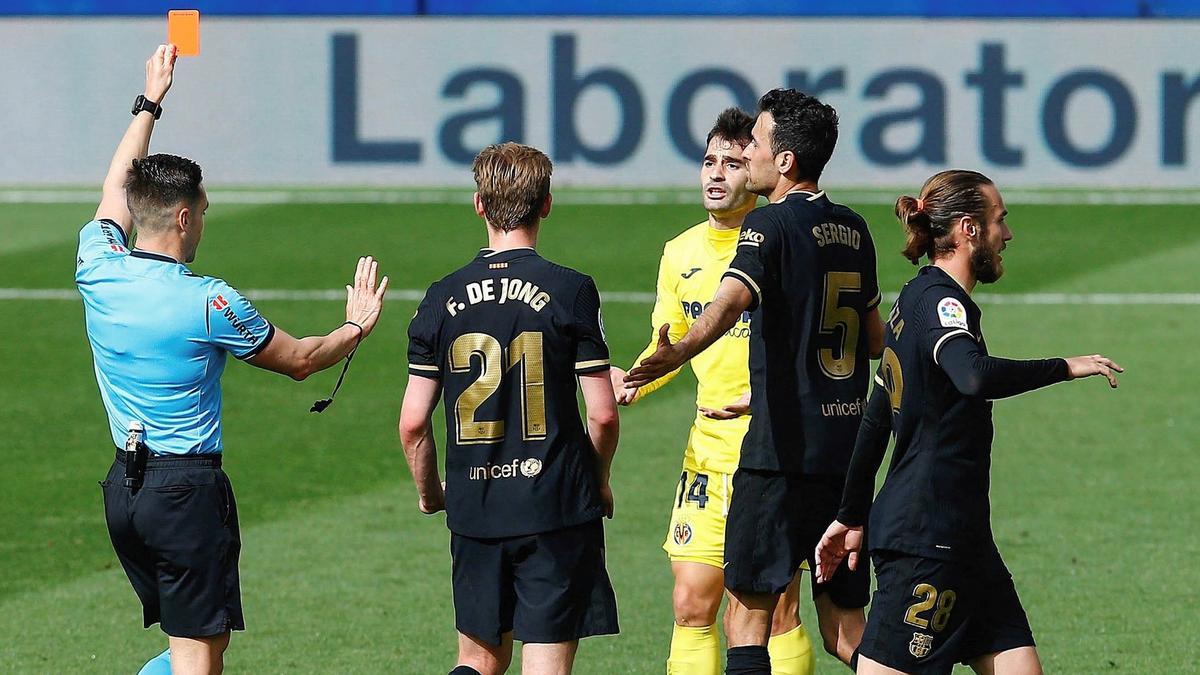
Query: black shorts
[775,522]
[544,588]
[177,538]
[929,614]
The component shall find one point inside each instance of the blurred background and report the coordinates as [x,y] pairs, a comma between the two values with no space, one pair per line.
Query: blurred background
[330,129]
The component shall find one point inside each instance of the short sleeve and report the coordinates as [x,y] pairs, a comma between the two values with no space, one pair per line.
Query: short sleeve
[946,317]
[233,323]
[591,349]
[756,263]
[423,333]
[101,239]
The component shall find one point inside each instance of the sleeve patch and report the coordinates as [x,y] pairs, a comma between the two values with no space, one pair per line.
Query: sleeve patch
[952,314]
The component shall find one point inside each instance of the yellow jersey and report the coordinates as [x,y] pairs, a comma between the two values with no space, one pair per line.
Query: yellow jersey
[688,276]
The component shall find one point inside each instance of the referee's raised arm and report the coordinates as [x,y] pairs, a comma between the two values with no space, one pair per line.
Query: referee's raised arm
[147,108]
[160,337]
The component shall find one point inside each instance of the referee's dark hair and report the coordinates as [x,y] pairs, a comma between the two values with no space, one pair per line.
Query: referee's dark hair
[804,126]
[158,184]
[734,125]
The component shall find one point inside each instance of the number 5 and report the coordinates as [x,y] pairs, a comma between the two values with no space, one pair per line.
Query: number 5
[835,315]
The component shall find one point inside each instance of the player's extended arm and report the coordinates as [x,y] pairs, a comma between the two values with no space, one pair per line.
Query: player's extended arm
[844,537]
[416,435]
[299,358]
[667,310]
[875,338]
[136,141]
[732,299]
[604,427]
[977,374]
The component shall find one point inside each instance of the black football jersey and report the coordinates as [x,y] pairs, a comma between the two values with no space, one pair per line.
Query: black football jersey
[810,266]
[934,502]
[506,335]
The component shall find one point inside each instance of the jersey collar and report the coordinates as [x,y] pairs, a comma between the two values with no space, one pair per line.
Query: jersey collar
[812,196]
[937,271]
[139,253]
[491,255]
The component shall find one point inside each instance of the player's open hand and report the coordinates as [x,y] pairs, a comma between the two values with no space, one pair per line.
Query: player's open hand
[364,299]
[733,410]
[839,542]
[666,358]
[160,69]
[625,395]
[1086,366]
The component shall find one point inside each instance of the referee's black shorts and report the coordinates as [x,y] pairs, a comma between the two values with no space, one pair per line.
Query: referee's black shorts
[177,538]
[775,522]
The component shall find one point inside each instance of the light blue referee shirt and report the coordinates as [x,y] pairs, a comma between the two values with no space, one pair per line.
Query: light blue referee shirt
[159,335]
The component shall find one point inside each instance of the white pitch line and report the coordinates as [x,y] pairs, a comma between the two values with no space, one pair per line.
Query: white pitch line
[585,197]
[635,297]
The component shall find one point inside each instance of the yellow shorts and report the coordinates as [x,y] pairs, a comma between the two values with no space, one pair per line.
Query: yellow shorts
[697,531]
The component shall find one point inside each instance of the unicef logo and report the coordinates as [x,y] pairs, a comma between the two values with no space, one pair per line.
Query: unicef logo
[531,467]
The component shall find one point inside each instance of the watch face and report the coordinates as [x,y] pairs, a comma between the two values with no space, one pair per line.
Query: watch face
[138,103]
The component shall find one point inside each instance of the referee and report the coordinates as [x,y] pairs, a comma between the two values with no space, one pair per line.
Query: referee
[159,335]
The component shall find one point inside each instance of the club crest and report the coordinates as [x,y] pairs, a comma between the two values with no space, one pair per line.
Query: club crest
[682,534]
[921,645]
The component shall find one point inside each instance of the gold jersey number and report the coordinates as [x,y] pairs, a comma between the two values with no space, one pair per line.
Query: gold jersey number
[928,597]
[524,355]
[839,363]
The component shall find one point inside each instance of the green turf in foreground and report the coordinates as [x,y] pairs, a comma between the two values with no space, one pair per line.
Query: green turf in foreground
[1093,490]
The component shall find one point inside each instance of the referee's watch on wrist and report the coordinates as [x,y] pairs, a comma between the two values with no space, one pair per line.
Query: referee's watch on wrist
[142,103]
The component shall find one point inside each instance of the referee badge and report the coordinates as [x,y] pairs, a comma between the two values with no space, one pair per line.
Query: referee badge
[921,645]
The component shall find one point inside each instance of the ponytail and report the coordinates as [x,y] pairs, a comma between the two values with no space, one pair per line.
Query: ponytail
[916,228]
[929,220]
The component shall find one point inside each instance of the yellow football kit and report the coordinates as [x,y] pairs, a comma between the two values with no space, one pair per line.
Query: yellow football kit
[688,277]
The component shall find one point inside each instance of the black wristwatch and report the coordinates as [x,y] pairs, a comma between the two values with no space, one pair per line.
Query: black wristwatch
[142,103]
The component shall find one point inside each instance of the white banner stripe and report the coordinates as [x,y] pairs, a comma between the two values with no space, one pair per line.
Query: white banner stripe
[635,297]
[650,196]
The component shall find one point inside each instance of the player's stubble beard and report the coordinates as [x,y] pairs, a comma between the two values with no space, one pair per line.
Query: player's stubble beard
[985,264]
[754,171]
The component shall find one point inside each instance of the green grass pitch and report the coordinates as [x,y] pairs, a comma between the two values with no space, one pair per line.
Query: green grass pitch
[1094,491]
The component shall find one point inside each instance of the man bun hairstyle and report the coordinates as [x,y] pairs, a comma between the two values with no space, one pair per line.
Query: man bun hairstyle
[513,181]
[734,125]
[156,185]
[929,219]
[804,126]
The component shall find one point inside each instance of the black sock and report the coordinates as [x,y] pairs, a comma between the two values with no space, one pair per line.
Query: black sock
[752,660]
[464,670]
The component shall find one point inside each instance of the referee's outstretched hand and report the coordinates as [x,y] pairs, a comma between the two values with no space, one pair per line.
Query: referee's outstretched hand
[1086,366]
[364,299]
[666,358]
[160,70]
[840,542]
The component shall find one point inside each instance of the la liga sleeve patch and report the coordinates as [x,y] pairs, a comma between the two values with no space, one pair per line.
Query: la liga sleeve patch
[952,314]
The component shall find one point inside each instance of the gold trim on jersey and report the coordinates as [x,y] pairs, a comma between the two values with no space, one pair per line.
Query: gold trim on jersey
[590,364]
[417,366]
[746,277]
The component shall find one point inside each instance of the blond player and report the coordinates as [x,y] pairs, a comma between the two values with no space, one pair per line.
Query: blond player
[688,276]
